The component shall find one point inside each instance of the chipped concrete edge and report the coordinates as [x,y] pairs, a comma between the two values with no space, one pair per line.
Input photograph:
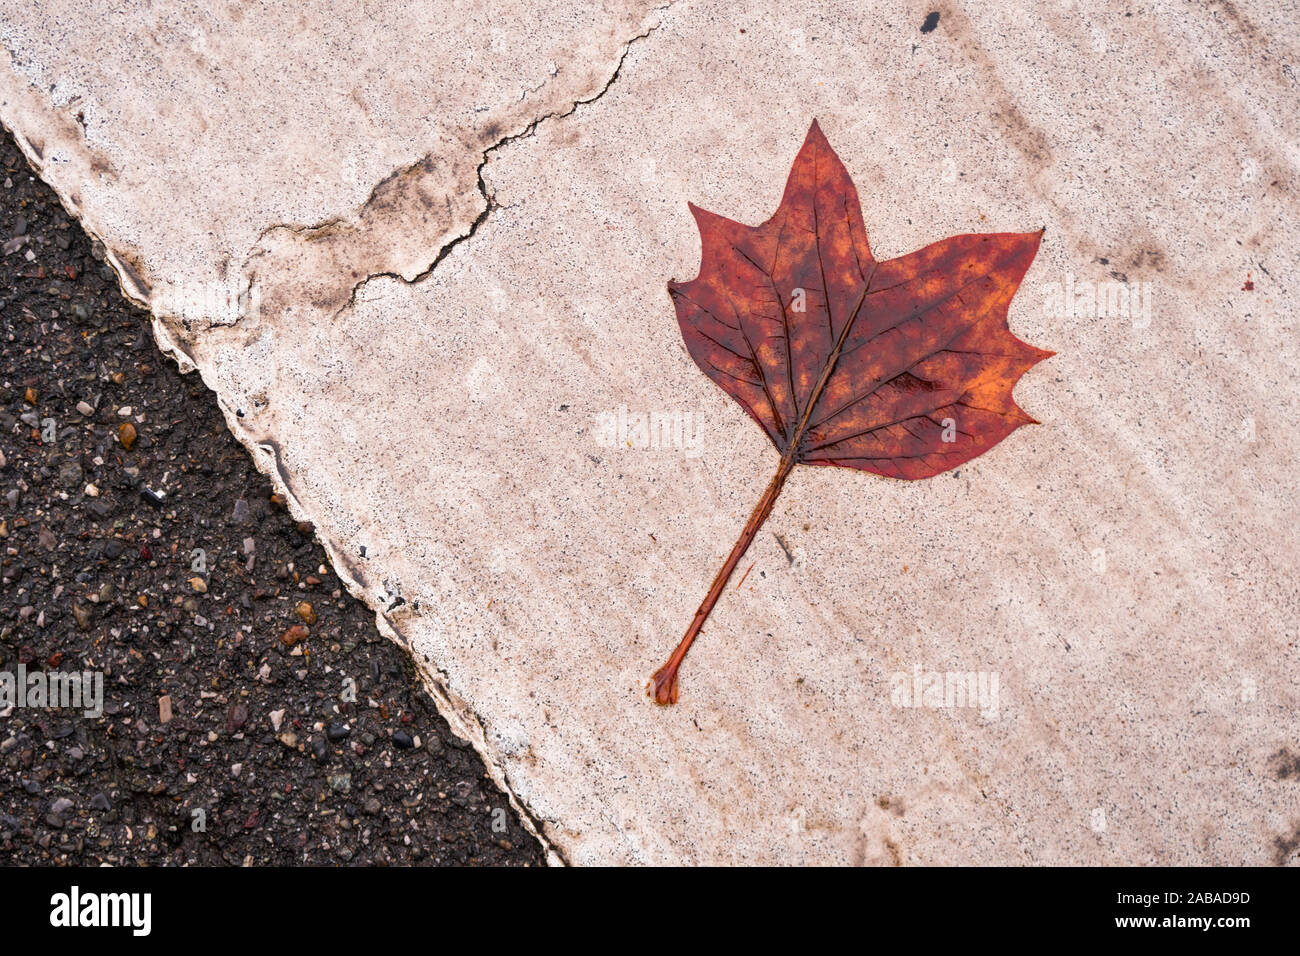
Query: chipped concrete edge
[458,713]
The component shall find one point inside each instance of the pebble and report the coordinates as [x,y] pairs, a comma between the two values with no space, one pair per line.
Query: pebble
[164,709]
[85,408]
[126,435]
[237,716]
[340,782]
[92,491]
[277,717]
[305,611]
[294,635]
[402,739]
[199,585]
[337,730]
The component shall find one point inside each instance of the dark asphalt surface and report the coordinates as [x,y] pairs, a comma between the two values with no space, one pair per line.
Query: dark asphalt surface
[225,736]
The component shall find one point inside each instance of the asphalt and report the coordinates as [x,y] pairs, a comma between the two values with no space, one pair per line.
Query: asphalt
[251,713]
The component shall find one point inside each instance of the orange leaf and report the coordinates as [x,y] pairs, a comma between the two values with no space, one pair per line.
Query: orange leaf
[903,368]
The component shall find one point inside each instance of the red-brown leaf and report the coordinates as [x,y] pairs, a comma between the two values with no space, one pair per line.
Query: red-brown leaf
[904,368]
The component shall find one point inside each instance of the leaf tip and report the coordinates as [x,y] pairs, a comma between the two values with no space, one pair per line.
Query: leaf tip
[815,135]
[702,216]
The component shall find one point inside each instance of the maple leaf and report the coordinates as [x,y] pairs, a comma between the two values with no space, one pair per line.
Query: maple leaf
[903,368]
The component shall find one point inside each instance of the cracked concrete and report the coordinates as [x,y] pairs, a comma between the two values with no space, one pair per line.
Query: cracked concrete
[431,359]
[486,207]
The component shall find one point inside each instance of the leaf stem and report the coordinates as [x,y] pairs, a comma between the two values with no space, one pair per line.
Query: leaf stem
[664,683]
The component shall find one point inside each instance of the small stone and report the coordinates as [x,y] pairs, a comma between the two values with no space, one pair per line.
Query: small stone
[61,806]
[70,474]
[294,635]
[47,539]
[126,435]
[236,717]
[100,802]
[305,611]
[250,546]
[92,491]
[288,738]
[337,730]
[199,585]
[340,782]
[277,717]
[117,378]
[402,739]
[85,408]
[164,709]
[29,396]
[240,514]
[82,615]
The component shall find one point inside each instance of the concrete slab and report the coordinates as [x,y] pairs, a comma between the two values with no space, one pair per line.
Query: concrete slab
[444,373]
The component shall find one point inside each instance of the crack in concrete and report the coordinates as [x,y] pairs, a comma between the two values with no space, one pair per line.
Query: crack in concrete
[489,198]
